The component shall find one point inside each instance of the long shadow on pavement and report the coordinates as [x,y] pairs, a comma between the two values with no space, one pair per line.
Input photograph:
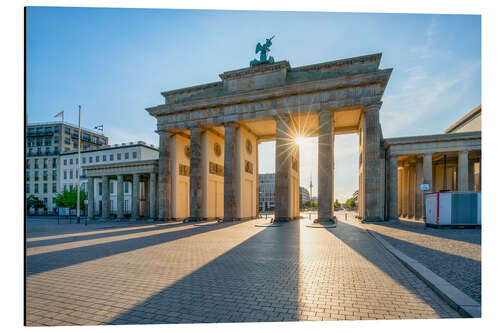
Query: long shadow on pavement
[472,236]
[464,273]
[39,263]
[254,281]
[102,234]
[360,241]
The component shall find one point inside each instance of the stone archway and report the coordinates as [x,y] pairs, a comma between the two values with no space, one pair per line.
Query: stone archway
[261,103]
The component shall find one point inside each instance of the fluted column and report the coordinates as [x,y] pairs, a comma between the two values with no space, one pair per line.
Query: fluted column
[257,193]
[195,176]
[283,168]
[231,172]
[471,175]
[105,197]
[419,194]
[411,191]
[119,197]
[393,187]
[405,190]
[152,195]
[427,170]
[326,139]
[373,204]
[463,171]
[400,191]
[90,189]
[135,196]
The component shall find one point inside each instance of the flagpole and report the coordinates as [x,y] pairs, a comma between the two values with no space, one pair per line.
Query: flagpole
[78,168]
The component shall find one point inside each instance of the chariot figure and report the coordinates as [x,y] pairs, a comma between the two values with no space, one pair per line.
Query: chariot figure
[263,49]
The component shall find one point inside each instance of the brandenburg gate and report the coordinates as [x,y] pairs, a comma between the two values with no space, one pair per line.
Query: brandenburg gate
[209,135]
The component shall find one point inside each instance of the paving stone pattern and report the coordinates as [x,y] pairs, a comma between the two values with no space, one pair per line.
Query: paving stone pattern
[453,254]
[232,272]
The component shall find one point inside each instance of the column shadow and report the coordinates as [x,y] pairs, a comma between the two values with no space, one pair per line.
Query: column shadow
[360,241]
[69,239]
[253,282]
[472,236]
[44,262]
[463,273]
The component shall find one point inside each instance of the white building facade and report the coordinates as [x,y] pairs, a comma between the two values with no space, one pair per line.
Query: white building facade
[107,155]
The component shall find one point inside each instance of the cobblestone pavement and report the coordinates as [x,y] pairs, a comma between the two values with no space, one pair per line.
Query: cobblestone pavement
[231,272]
[453,254]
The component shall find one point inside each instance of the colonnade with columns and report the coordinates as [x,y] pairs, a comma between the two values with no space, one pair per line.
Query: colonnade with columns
[442,171]
[143,177]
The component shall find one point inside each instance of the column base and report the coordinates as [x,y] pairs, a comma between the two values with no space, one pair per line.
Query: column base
[282,219]
[326,220]
[193,219]
[372,219]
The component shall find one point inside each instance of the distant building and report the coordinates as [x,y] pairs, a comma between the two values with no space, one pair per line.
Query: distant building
[266,191]
[304,196]
[44,144]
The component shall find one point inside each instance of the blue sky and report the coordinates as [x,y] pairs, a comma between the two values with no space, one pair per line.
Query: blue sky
[115,62]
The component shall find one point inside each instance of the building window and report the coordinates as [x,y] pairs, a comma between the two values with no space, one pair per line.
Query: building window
[54,163]
[126,187]
[70,174]
[97,159]
[36,175]
[45,188]
[70,161]
[90,159]
[126,156]
[27,176]
[84,160]
[67,141]
[54,187]
[111,188]
[27,164]
[104,158]
[65,162]
[64,187]
[45,175]
[36,188]
[65,174]
[45,163]
[111,157]
[54,175]
[36,163]
[134,155]
[27,188]
[100,188]
[67,130]
[118,156]
[75,144]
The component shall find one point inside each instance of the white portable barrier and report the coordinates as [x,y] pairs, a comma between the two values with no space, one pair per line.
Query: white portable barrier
[453,208]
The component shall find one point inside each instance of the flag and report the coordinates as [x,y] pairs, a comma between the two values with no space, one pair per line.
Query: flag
[60,114]
[99,127]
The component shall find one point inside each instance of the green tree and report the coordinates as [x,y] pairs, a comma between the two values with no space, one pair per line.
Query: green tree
[68,199]
[350,203]
[34,202]
[336,204]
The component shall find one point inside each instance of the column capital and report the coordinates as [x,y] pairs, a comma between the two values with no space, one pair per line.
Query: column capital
[373,107]
[231,124]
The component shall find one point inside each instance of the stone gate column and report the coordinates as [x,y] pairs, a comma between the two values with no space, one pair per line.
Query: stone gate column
[373,204]
[105,197]
[152,195]
[195,176]
[471,175]
[400,191]
[257,209]
[119,197]
[463,171]
[90,190]
[135,196]
[231,172]
[326,138]
[283,168]
[164,178]
[393,187]
[411,190]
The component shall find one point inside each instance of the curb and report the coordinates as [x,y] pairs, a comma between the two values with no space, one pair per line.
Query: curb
[459,301]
